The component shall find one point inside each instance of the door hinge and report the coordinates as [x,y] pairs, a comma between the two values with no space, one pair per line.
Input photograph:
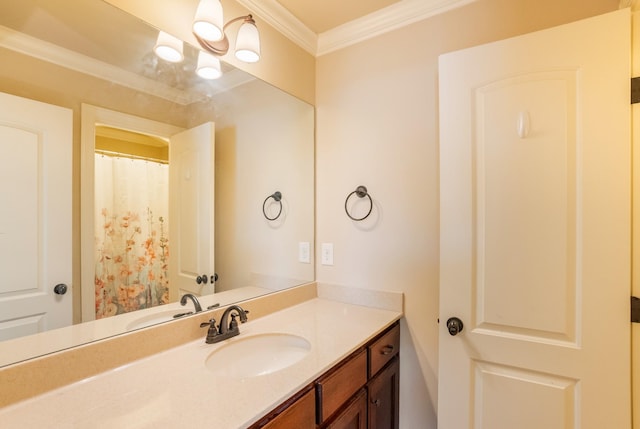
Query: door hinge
[635,309]
[635,90]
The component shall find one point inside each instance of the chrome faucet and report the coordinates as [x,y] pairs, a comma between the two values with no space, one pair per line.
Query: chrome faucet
[183,301]
[226,329]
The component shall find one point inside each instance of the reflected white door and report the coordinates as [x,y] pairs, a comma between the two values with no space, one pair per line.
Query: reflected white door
[535,230]
[191,210]
[35,216]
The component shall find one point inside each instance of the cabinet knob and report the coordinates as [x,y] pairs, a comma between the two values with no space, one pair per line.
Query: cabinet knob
[376,402]
[387,350]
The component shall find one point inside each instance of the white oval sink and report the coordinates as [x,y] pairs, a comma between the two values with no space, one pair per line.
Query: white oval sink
[152,319]
[257,355]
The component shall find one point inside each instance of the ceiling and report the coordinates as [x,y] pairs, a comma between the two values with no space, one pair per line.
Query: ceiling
[325,26]
[321,16]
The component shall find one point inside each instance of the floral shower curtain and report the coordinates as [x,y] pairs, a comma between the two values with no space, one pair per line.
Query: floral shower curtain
[131,234]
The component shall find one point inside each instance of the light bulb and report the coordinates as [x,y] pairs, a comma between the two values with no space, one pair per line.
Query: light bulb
[248,42]
[169,48]
[208,66]
[208,21]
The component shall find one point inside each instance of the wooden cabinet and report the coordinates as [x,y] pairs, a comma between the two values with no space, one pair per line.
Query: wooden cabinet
[361,392]
[298,412]
[354,415]
[384,397]
[384,383]
[382,350]
[335,388]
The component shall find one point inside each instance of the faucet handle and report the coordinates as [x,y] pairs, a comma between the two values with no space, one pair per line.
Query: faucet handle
[213,331]
[234,323]
[211,323]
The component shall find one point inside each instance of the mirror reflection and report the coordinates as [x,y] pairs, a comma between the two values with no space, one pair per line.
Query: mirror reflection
[129,108]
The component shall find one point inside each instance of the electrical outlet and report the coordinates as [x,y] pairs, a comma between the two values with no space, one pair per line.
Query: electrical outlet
[304,252]
[327,253]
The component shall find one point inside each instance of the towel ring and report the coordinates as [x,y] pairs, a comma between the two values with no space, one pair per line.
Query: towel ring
[360,192]
[277,197]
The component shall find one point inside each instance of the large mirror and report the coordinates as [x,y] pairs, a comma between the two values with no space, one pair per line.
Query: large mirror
[127,104]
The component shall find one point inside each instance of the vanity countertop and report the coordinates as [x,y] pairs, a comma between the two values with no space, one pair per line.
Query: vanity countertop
[174,388]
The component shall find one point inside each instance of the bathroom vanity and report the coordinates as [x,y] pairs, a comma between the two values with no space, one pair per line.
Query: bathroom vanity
[360,392]
[320,362]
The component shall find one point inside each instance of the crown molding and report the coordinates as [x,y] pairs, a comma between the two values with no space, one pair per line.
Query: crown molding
[274,14]
[633,4]
[398,15]
[388,19]
[46,51]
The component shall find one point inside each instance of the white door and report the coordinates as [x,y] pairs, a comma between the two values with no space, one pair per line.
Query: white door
[191,210]
[535,230]
[35,216]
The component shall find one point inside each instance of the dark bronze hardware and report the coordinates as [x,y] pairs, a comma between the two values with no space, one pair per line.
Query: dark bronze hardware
[360,192]
[226,329]
[635,90]
[455,326]
[196,303]
[212,333]
[202,279]
[635,309]
[60,289]
[277,197]
[387,350]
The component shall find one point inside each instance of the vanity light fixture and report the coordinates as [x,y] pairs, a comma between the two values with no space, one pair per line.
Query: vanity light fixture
[208,66]
[169,48]
[208,30]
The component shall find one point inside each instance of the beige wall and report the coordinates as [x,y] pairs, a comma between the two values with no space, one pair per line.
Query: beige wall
[283,63]
[264,144]
[377,125]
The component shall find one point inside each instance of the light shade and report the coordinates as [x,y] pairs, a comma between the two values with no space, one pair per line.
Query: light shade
[248,42]
[208,66]
[208,21]
[169,48]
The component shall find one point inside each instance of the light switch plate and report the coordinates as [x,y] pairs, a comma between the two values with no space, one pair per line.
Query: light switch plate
[304,252]
[327,253]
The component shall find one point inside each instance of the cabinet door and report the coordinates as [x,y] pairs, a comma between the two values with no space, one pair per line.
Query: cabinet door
[337,386]
[354,416]
[300,415]
[384,397]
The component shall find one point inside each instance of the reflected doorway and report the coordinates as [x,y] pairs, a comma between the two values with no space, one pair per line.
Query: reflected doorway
[131,251]
[96,121]
[191,200]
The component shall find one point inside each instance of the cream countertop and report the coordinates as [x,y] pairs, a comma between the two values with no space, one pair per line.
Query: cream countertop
[174,388]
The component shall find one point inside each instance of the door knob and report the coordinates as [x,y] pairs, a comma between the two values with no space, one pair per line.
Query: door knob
[60,289]
[455,326]
[214,278]
[202,279]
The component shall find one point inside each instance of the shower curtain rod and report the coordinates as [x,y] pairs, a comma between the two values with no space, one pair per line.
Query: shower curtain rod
[130,156]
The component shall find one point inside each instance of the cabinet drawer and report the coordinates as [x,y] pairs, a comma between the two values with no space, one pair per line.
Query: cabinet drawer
[383,350]
[300,415]
[336,388]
